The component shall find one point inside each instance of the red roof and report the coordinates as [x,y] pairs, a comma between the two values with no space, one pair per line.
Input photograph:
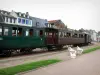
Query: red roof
[52,21]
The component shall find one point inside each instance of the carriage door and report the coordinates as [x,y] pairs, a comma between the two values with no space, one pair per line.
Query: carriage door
[55,37]
[51,38]
[85,38]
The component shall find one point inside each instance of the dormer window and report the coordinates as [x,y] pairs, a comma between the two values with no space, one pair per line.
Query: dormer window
[19,14]
[24,15]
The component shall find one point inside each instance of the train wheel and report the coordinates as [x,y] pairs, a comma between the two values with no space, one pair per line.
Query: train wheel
[49,48]
[59,47]
[75,45]
[7,53]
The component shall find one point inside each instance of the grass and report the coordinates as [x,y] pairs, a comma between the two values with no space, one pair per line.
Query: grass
[91,49]
[26,67]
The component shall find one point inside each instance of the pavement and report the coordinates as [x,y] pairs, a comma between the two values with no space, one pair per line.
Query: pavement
[87,64]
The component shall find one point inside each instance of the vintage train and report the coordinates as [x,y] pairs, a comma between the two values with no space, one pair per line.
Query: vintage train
[25,38]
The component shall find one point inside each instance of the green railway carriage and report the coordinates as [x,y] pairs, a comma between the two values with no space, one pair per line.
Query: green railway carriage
[20,37]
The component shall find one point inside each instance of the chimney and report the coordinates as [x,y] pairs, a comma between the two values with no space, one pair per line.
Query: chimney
[27,13]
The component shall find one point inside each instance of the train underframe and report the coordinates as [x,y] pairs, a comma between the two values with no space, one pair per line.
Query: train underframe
[9,52]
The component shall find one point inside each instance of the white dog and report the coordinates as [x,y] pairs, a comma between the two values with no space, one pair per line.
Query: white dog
[72,52]
[79,50]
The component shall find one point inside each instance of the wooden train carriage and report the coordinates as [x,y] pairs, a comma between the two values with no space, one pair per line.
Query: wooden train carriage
[51,35]
[70,38]
[20,37]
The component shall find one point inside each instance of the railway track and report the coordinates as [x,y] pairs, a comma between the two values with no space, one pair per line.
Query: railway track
[16,60]
[30,55]
[36,53]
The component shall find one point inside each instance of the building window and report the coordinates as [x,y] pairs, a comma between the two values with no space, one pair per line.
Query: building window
[23,21]
[27,21]
[19,20]
[0,30]
[6,31]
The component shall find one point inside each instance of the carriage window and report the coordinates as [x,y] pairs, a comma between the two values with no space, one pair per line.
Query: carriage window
[27,32]
[46,33]
[75,35]
[68,35]
[50,33]
[19,31]
[64,34]
[14,31]
[6,31]
[81,35]
[61,35]
[0,30]
[37,32]
[31,32]
[41,32]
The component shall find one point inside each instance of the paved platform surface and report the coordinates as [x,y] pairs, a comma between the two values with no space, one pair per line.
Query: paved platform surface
[87,64]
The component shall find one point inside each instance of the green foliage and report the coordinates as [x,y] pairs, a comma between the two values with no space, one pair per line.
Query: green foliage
[26,67]
[91,49]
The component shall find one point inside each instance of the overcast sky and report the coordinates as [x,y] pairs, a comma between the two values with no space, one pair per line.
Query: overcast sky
[75,14]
